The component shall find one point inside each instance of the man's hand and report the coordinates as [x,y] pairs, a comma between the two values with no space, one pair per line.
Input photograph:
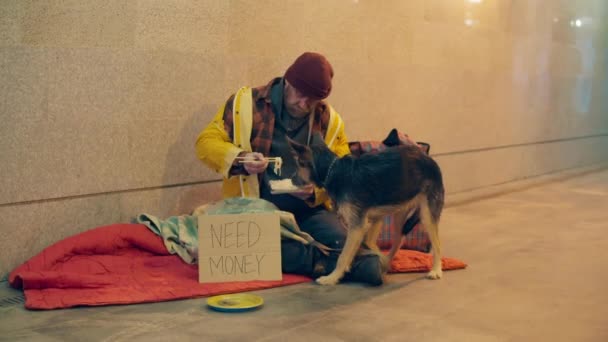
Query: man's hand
[305,192]
[254,162]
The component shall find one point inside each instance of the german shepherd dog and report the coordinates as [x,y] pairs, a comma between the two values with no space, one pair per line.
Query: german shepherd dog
[397,180]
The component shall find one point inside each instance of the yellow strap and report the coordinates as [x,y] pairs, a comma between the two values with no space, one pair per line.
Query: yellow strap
[332,125]
[243,110]
[242,125]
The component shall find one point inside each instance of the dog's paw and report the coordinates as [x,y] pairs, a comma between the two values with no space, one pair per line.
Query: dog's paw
[327,280]
[385,263]
[434,274]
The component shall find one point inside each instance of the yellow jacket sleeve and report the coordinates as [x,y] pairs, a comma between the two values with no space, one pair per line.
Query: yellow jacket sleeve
[214,147]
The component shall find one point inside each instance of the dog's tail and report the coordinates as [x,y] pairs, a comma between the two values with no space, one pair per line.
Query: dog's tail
[433,188]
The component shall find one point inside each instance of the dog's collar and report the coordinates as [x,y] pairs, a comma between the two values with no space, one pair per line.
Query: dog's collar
[331,166]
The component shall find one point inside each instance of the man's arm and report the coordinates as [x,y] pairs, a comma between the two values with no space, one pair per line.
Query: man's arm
[215,149]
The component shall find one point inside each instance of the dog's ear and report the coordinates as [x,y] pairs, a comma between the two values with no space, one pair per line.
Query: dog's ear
[297,148]
[392,139]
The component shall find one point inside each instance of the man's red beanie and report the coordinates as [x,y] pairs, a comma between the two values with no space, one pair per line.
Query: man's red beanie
[311,74]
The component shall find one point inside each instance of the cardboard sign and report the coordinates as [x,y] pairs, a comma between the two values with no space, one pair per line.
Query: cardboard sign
[239,247]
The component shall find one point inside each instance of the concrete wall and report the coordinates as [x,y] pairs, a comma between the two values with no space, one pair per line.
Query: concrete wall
[101,101]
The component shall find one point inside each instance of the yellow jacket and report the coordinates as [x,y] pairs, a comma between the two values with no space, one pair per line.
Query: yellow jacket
[216,149]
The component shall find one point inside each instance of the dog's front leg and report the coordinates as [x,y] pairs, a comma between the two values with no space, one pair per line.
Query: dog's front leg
[351,246]
[371,237]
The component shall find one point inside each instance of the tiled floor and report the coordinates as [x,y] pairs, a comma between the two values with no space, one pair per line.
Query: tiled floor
[537,272]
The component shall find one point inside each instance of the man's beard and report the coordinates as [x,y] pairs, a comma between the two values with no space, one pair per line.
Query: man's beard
[297,112]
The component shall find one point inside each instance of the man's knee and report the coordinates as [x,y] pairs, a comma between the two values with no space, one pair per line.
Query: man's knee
[326,228]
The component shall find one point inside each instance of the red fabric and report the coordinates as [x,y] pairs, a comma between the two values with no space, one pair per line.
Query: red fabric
[128,263]
[117,264]
[413,261]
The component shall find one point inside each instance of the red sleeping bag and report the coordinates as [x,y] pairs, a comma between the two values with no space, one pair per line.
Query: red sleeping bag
[128,263]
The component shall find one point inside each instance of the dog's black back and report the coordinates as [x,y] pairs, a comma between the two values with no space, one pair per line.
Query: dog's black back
[383,178]
[389,177]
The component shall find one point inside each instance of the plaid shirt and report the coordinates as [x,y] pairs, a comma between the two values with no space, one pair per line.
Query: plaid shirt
[264,118]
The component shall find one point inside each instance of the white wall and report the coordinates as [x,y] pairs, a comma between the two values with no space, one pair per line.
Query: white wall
[101,101]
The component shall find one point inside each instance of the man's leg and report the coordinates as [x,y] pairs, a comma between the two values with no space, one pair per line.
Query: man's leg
[326,228]
[298,258]
[302,259]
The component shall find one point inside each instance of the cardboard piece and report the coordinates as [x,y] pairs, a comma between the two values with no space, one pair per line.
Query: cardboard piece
[239,247]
